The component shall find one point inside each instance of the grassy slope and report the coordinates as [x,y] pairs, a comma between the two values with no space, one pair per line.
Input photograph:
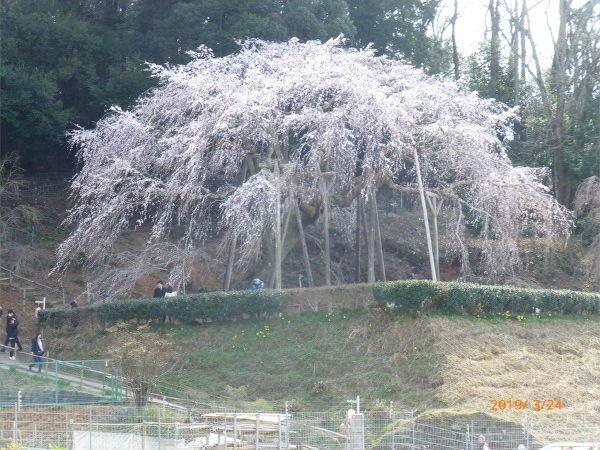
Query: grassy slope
[317,361]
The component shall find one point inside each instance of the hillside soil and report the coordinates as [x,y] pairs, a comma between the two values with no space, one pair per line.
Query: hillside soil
[317,361]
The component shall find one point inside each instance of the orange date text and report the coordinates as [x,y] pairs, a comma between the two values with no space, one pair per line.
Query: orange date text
[522,405]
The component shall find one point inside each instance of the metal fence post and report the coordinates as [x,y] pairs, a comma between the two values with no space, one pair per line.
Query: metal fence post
[90,426]
[159,436]
[279,432]
[69,434]
[526,423]
[471,434]
[413,431]
[467,440]
[393,424]
[16,426]
[287,425]
[257,424]
[234,430]
[56,381]
[225,429]
[143,431]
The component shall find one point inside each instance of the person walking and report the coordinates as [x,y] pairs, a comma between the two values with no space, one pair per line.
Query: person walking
[8,316]
[37,351]
[12,333]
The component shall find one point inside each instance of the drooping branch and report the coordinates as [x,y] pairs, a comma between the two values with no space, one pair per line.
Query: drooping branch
[196,156]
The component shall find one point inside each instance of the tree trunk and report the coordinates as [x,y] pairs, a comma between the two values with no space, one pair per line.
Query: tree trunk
[378,243]
[562,189]
[243,171]
[455,59]
[305,256]
[369,239]
[327,250]
[357,240]
[435,210]
[494,48]
[277,230]
[251,164]
[425,216]
[230,260]
[515,54]
[523,39]
[287,219]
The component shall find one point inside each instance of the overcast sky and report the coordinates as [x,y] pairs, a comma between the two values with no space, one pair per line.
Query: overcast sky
[474,19]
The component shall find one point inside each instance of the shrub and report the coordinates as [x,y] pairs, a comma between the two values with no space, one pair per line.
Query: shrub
[399,296]
[214,306]
[407,296]
[454,297]
[493,299]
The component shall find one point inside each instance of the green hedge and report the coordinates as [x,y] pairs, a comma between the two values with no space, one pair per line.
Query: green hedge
[454,297]
[407,296]
[214,306]
[404,297]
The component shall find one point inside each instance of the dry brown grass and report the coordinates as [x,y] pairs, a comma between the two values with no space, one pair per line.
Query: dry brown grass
[553,359]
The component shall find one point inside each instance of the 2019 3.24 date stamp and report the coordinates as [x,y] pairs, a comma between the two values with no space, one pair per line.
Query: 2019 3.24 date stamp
[526,405]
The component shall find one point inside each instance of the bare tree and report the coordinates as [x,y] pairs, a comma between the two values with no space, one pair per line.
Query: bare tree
[494,11]
[455,58]
[587,208]
[144,361]
[304,116]
[558,83]
[15,213]
[566,93]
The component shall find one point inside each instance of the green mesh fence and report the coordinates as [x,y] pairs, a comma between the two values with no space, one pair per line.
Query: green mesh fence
[54,382]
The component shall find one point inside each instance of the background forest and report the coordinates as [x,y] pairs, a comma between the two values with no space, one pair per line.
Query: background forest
[65,62]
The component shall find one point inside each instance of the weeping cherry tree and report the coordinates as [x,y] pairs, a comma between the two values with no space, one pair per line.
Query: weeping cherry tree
[256,146]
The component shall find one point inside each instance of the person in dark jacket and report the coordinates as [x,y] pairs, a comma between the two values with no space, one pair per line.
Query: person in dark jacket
[12,332]
[8,316]
[159,290]
[74,314]
[37,351]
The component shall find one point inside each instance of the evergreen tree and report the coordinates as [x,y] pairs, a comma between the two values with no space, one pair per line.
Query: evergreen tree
[396,28]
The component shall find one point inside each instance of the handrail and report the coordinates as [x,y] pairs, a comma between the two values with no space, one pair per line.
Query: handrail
[15,275]
[12,274]
[160,399]
[67,363]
